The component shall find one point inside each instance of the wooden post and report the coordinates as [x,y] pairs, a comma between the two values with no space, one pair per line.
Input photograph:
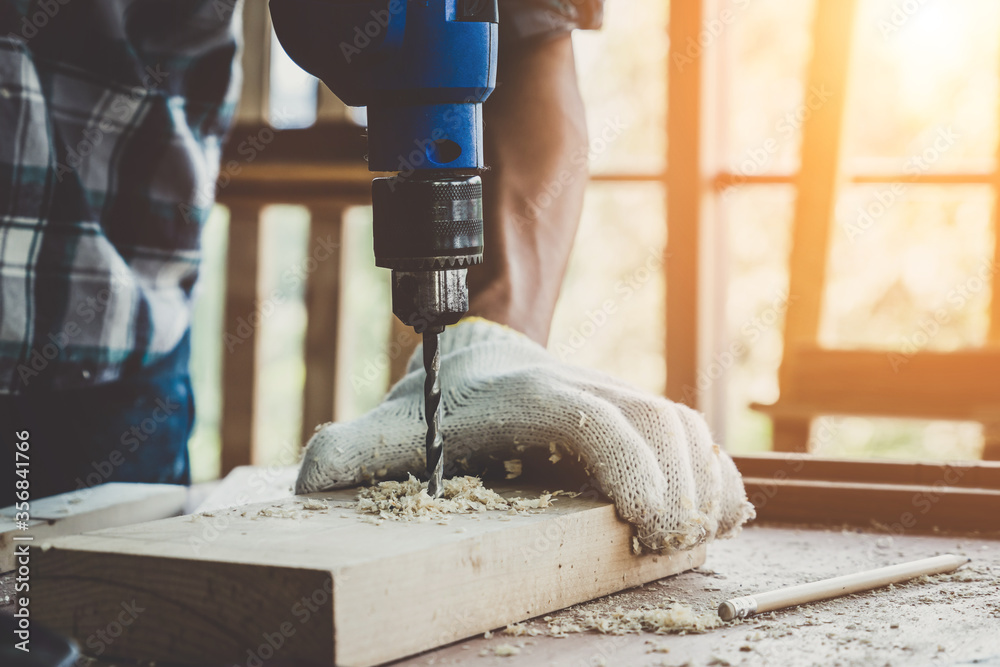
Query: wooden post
[684,192]
[323,309]
[239,358]
[817,180]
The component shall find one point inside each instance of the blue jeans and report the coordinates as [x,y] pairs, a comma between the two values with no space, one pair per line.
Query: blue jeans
[132,430]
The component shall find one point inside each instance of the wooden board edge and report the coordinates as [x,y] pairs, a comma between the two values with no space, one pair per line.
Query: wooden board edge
[494,580]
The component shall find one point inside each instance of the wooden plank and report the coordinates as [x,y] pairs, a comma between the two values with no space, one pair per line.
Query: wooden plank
[685,190]
[902,508]
[764,557]
[819,381]
[962,474]
[213,587]
[322,300]
[239,358]
[102,506]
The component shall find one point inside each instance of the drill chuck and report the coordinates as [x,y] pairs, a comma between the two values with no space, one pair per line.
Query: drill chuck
[428,230]
[428,222]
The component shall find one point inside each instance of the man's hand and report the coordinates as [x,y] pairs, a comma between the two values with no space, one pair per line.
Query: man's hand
[504,394]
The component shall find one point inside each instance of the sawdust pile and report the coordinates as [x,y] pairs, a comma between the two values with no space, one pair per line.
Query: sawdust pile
[676,618]
[406,501]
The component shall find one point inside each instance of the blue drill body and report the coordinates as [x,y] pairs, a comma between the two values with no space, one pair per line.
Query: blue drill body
[422,67]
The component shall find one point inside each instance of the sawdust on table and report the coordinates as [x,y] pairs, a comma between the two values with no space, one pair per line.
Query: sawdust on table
[674,618]
[408,500]
[285,509]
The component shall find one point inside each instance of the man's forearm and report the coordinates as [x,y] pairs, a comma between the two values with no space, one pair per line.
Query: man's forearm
[536,149]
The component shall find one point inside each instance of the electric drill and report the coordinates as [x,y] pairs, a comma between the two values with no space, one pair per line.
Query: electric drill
[423,68]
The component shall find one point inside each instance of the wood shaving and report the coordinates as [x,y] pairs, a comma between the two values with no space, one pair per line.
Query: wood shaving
[657,647]
[408,501]
[313,504]
[280,512]
[505,650]
[521,630]
[513,468]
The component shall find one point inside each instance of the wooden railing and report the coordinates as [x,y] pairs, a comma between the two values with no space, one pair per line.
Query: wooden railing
[319,168]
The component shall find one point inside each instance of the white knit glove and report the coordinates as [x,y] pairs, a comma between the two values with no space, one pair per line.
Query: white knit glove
[503,393]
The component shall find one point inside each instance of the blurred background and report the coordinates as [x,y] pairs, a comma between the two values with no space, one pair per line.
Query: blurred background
[921,98]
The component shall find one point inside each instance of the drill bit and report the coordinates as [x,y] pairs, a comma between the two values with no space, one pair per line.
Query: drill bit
[432,411]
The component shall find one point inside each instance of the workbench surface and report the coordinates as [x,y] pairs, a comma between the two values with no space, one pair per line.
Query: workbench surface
[953,620]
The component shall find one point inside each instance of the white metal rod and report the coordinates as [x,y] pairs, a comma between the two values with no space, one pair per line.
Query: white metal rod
[831,588]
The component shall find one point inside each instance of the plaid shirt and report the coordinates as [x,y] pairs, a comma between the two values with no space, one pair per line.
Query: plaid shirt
[112,114]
